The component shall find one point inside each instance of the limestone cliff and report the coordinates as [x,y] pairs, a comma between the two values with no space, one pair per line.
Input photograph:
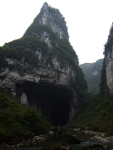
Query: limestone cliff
[52,18]
[41,68]
[109,63]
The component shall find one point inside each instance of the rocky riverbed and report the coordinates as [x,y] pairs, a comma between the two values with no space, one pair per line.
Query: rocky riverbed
[67,141]
[32,141]
[101,136]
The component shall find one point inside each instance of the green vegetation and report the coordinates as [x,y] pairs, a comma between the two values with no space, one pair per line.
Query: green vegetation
[58,20]
[23,48]
[81,84]
[17,120]
[27,46]
[93,79]
[57,17]
[86,110]
[62,48]
[94,113]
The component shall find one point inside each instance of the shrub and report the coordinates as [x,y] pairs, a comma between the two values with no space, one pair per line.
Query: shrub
[17,120]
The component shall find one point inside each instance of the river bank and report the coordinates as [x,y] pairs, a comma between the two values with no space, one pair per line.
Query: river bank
[101,136]
[87,138]
[28,142]
[60,135]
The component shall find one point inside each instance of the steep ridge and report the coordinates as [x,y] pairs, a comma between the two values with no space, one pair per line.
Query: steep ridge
[107,80]
[92,72]
[41,68]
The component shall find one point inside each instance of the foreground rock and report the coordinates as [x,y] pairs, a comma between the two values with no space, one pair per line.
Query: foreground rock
[59,130]
[97,135]
[103,139]
[71,139]
[93,147]
[33,141]
[58,146]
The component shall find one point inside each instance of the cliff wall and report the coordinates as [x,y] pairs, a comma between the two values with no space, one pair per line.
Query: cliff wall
[109,62]
[41,68]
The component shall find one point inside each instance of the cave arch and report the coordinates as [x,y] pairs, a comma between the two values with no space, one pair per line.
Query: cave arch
[54,102]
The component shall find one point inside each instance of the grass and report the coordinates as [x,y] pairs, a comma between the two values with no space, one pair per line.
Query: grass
[94,113]
[17,120]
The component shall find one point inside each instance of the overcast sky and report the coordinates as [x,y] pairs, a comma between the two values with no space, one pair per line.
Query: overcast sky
[88,22]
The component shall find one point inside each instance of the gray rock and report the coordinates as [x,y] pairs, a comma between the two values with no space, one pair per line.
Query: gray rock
[43,85]
[109,70]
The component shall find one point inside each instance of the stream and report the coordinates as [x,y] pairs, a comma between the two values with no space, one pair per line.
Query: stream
[84,138]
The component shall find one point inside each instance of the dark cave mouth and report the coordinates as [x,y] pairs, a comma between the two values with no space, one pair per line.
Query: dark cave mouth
[54,102]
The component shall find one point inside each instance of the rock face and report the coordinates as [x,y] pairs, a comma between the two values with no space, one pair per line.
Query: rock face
[52,18]
[109,61]
[40,68]
[109,70]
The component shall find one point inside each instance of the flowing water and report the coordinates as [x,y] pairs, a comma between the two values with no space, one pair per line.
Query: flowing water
[85,138]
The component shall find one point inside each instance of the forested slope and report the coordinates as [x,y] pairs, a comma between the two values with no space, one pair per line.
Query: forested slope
[17,120]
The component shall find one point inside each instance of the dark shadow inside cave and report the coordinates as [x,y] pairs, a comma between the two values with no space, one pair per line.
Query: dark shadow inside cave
[54,102]
[60,108]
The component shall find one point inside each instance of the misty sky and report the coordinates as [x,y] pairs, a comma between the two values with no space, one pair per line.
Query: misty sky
[88,22]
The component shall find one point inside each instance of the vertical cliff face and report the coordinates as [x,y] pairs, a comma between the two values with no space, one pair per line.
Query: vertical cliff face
[41,68]
[109,70]
[109,62]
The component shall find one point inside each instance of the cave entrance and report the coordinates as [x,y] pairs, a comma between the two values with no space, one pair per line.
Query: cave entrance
[60,108]
[54,102]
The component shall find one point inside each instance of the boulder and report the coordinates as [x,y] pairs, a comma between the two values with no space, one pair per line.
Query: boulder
[72,139]
[57,146]
[93,147]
